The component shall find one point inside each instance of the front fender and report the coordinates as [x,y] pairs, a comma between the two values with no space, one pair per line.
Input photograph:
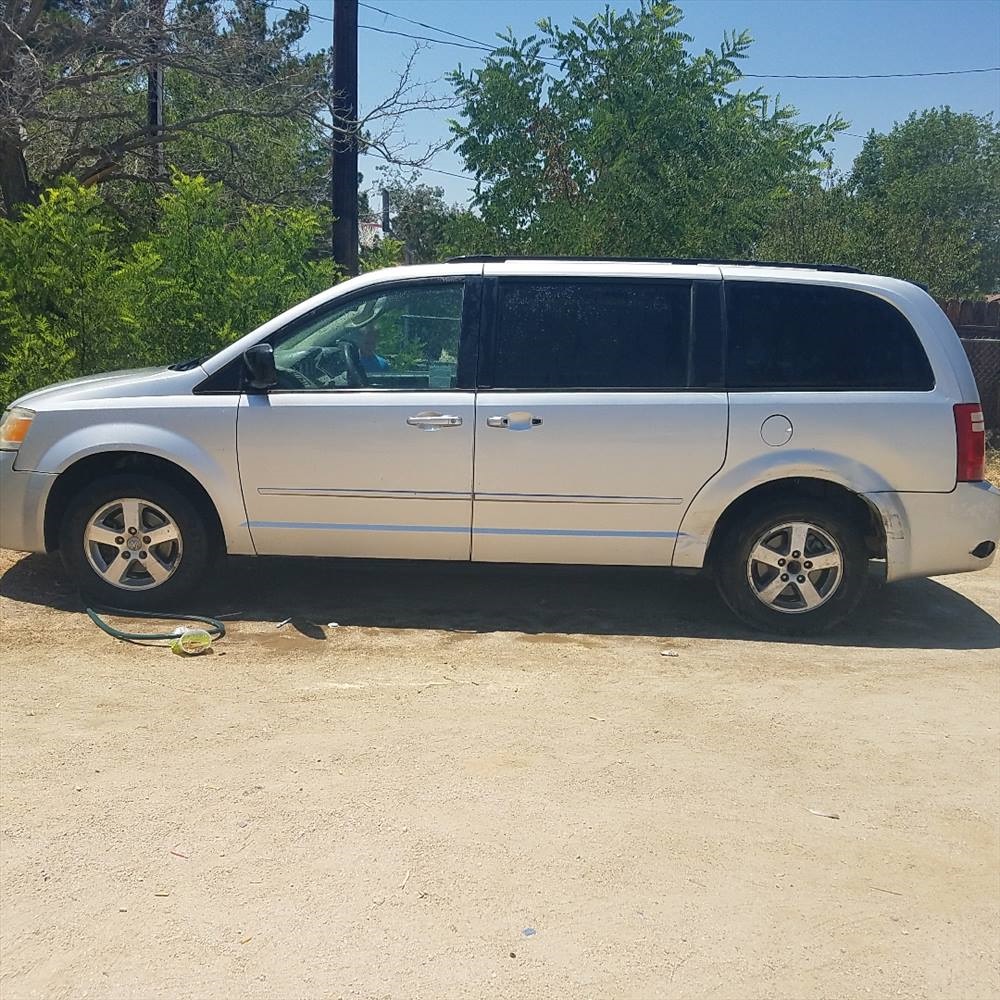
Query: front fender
[209,456]
[732,482]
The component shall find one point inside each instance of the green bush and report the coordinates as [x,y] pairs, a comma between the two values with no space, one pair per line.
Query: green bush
[77,296]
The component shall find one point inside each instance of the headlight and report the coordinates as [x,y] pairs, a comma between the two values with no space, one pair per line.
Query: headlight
[14,427]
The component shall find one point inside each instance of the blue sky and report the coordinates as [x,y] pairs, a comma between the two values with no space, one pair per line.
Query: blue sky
[790,36]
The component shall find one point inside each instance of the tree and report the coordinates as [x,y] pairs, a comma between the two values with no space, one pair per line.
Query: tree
[632,146]
[73,85]
[242,106]
[421,220]
[938,175]
[921,202]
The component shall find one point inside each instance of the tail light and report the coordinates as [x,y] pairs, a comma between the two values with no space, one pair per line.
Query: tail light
[970,433]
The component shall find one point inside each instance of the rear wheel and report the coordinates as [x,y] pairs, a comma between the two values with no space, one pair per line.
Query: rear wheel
[130,541]
[792,567]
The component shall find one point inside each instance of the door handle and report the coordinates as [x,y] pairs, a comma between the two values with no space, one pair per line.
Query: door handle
[434,421]
[514,422]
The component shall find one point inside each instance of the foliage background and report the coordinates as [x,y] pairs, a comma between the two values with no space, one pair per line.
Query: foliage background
[80,294]
[608,136]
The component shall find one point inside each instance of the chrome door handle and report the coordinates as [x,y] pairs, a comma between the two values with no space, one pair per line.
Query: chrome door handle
[434,421]
[514,422]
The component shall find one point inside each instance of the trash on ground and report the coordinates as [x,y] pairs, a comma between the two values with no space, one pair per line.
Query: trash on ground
[191,642]
[161,893]
[304,626]
[669,652]
[878,888]
[825,815]
[529,932]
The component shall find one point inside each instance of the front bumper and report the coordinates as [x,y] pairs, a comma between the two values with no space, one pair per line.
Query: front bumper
[22,506]
[932,534]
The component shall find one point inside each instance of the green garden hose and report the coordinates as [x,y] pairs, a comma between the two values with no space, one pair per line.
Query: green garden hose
[215,628]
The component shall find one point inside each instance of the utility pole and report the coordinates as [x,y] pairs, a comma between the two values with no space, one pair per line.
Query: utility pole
[344,175]
[385,214]
[154,86]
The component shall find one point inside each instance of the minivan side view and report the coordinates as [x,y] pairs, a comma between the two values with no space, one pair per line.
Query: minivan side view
[794,430]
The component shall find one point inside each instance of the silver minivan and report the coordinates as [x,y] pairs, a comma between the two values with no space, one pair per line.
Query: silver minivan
[792,429]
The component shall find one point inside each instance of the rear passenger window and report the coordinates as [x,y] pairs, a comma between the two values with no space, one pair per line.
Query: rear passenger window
[592,334]
[784,335]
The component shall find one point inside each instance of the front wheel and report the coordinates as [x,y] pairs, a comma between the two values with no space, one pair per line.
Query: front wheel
[793,567]
[130,541]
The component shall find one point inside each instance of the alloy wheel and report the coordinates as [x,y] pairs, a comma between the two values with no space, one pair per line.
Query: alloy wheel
[795,567]
[133,544]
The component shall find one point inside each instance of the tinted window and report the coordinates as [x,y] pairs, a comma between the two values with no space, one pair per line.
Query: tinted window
[592,334]
[791,336]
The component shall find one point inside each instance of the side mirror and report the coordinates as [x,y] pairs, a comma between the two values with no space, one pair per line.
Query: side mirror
[259,363]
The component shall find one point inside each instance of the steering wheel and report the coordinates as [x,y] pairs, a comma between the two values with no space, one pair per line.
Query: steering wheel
[356,376]
[289,378]
[328,362]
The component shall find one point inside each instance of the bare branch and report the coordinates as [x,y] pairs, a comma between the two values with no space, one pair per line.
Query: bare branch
[73,81]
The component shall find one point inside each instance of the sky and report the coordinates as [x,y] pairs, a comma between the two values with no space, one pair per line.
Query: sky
[790,36]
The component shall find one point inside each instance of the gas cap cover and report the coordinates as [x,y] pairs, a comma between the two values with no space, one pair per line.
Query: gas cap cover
[776,430]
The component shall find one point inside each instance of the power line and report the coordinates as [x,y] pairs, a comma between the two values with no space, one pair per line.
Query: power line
[473,43]
[299,10]
[867,76]
[425,38]
[429,27]
[413,166]
[480,46]
[448,173]
[760,76]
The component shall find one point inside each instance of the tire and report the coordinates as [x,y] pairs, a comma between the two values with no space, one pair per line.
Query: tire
[825,597]
[95,521]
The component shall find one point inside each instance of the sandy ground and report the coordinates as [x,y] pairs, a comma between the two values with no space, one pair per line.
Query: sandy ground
[489,782]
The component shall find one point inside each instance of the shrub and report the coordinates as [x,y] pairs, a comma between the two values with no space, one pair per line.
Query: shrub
[77,296]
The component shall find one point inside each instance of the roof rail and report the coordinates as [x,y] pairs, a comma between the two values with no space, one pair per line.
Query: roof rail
[490,259]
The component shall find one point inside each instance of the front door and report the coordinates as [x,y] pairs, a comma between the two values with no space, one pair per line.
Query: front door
[599,420]
[365,447]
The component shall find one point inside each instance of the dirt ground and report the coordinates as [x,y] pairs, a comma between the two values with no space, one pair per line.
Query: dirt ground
[489,781]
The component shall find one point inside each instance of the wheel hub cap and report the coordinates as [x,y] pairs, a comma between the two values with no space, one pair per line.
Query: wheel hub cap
[795,567]
[133,544]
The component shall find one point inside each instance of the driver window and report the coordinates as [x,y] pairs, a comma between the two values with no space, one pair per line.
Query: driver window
[401,338]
